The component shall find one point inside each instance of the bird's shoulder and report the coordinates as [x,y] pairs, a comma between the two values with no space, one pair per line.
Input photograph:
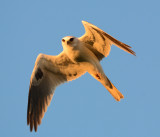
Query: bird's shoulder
[49,61]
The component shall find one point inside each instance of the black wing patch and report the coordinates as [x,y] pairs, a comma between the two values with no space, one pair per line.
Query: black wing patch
[39,74]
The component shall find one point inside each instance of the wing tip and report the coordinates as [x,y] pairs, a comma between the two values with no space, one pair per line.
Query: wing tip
[132,52]
[120,44]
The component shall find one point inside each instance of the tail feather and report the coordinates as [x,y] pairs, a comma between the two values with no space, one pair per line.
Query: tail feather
[113,90]
[99,75]
[108,85]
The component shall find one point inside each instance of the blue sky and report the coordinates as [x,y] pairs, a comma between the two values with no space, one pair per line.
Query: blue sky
[82,108]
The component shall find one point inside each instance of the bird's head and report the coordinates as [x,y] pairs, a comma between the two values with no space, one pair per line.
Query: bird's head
[70,41]
[71,46]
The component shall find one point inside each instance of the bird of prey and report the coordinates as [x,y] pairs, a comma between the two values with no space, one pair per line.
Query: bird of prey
[79,55]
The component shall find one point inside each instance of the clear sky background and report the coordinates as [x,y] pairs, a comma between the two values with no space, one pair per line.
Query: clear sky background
[82,108]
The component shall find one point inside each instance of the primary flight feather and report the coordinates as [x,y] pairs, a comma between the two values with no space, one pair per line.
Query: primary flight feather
[79,55]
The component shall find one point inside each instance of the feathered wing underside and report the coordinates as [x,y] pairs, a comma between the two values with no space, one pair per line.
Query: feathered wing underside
[40,95]
[48,73]
[100,42]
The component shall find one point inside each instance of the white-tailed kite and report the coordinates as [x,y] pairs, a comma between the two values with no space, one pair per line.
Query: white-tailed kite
[79,55]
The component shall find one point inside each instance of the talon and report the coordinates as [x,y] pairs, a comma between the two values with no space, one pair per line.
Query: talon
[98,76]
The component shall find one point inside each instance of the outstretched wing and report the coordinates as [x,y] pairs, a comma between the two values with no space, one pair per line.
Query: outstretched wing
[100,42]
[49,72]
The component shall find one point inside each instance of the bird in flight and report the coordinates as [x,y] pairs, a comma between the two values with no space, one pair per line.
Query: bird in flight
[79,55]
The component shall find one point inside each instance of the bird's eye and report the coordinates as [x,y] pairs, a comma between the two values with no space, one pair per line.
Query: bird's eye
[63,40]
[71,39]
